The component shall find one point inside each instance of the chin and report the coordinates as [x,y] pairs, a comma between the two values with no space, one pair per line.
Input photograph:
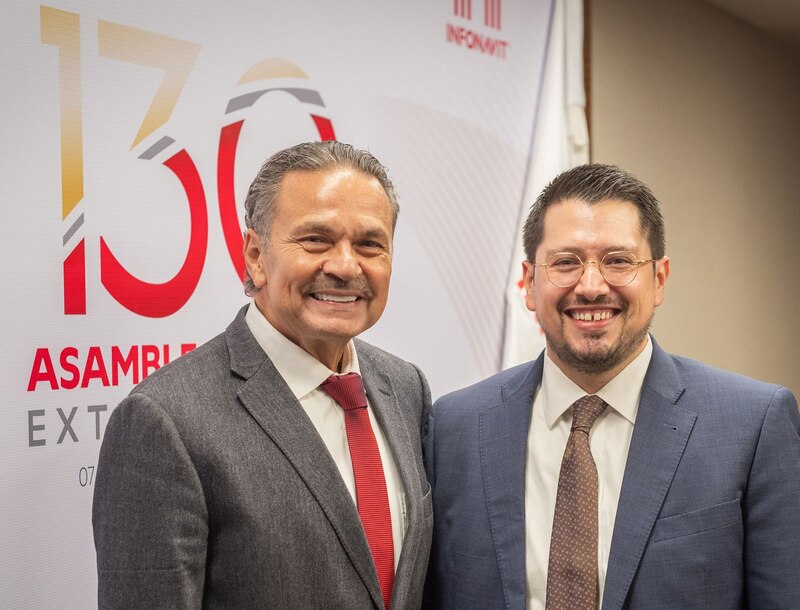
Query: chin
[593,346]
[343,332]
[594,362]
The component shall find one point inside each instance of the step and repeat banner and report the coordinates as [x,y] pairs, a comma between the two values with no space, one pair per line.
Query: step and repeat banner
[131,132]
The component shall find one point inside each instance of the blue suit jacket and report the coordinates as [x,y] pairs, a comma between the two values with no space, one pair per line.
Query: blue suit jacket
[709,511]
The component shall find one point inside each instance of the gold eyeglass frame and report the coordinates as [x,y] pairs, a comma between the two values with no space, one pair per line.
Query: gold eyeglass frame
[638,262]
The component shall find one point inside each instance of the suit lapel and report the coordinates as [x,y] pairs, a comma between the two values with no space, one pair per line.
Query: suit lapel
[659,439]
[269,400]
[383,400]
[384,403]
[503,446]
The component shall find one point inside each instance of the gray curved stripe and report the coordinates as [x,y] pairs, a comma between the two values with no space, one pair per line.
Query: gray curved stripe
[306,96]
[156,148]
[71,231]
[462,186]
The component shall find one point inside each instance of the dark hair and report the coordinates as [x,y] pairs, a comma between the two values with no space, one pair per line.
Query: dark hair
[259,205]
[592,183]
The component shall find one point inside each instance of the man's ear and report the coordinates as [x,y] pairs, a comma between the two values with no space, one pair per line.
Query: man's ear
[662,273]
[252,250]
[527,278]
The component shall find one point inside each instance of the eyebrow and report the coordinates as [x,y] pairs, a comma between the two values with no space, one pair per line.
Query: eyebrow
[375,234]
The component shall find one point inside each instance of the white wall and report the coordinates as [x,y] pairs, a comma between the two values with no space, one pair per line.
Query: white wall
[706,110]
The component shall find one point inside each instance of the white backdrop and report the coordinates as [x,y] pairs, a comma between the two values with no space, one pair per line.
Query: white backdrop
[130,134]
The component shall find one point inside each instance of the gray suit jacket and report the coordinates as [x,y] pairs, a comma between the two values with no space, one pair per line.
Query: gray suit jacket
[214,489]
[709,512]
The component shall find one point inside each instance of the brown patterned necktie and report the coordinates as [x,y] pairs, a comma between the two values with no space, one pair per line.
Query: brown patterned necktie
[572,567]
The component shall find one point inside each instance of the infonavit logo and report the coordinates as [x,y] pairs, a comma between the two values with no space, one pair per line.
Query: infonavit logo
[473,40]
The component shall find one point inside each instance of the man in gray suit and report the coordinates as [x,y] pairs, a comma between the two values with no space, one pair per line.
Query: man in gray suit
[234,477]
[608,473]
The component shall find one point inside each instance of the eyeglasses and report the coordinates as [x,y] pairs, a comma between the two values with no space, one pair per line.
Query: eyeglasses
[565,269]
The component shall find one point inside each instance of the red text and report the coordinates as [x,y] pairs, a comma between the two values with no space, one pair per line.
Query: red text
[112,366]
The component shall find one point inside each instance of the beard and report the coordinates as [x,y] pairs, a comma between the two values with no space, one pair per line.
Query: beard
[594,357]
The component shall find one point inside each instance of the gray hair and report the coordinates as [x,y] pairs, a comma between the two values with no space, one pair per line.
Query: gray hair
[260,205]
[592,183]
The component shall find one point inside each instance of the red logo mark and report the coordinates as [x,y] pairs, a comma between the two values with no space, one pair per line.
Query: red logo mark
[491,13]
[480,41]
[462,8]
[492,10]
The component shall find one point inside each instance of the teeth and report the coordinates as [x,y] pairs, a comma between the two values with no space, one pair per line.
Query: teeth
[335,298]
[587,316]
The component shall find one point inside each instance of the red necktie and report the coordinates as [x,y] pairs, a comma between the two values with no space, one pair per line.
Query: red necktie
[372,498]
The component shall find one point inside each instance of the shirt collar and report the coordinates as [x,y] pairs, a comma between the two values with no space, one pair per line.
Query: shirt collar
[622,393]
[302,372]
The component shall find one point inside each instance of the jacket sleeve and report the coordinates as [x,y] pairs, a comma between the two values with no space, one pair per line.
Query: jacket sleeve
[772,524]
[149,514]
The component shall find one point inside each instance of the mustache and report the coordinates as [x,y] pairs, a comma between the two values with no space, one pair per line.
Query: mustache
[326,283]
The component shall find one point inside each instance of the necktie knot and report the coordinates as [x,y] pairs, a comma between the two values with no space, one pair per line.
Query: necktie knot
[346,390]
[585,411]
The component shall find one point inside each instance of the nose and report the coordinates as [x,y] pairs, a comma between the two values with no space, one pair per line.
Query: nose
[342,262]
[592,283]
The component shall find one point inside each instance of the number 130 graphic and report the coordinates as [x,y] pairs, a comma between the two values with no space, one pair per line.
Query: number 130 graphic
[176,58]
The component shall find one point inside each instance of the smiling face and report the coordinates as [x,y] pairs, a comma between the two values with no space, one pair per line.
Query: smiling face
[323,276]
[593,329]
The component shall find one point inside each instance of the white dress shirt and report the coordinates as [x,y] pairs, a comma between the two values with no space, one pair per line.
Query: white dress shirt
[303,374]
[610,439]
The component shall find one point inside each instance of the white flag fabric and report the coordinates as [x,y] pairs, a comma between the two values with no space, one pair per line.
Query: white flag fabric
[561,141]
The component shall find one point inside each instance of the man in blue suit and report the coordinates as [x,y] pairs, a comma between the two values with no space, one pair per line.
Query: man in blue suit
[688,486]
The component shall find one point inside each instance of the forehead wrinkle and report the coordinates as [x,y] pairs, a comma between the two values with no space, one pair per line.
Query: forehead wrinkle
[594,240]
[316,226]
[602,251]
